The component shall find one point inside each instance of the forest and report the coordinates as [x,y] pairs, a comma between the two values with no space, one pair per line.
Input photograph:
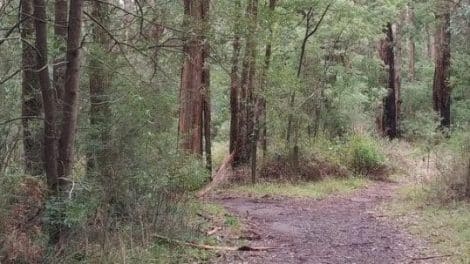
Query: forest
[234,131]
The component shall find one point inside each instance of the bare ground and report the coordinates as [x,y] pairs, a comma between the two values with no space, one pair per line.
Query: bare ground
[341,229]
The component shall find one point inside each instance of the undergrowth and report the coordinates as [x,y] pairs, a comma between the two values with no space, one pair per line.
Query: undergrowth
[446,227]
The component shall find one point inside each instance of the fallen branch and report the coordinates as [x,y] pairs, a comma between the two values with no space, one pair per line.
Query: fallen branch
[213,231]
[431,257]
[219,177]
[209,247]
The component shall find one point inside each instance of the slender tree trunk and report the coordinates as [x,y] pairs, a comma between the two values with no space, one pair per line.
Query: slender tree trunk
[293,124]
[411,43]
[390,110]
[48,98]
[397,51]
[71,92]
[58,73]
[441,87]
[31,95]
[262,123]
[235,82]
[100,84]
[206,109]
[234,94]
[430,45]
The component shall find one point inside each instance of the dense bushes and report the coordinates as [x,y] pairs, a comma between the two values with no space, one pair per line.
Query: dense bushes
[364,156]
[351,155]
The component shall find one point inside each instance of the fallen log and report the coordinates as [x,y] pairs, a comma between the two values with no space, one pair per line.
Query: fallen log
[220,176]
[209,247]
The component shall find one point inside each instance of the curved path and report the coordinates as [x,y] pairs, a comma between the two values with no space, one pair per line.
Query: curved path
[336,230]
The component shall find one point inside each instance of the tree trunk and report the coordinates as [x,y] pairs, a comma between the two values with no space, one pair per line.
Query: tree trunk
[390,109]
[71,92]
[441,87]
[194,116]
[430,45]
[262,123]
[293,124]
[235,83]
[206,109]
[397,51]
[31,95]
[246,106]
[58,73]
[48,98]
[100,84]
[411,43]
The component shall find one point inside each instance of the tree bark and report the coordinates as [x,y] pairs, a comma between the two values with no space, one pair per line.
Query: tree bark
[194,116]
[390,108]
[48,97]
[58,73]
[246,105]
[206,109]
[430,45]
[397,51]
[100,84]
[31,95]
[71,92]
[441,87]
[235,82]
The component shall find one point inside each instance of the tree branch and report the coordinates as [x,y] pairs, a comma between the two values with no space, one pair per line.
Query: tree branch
[10,76]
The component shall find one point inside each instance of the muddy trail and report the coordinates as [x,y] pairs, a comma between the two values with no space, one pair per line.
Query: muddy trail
[336,230]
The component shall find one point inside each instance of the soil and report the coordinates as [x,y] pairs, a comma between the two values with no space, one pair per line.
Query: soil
[335,230]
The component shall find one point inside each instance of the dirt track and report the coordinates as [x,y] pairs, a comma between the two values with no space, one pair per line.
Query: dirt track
[336,230]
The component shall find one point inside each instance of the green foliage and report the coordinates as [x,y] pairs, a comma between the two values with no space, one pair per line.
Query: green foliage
[364,155]
[453,167]
[446,228]
[423,126]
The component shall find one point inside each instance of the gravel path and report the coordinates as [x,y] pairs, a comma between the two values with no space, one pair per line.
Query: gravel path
[342,229]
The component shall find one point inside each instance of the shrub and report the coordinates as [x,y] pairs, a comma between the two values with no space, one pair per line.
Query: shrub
[453,166]
[22,239]
[421,126]
[364,157]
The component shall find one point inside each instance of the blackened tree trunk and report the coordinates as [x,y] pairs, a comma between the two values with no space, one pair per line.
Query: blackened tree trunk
[235,82]
[31,95]
[100,84]
[71,92]
[397,50]
[48,97]
[194,115]
[246,105]
[441,87]
[386,51]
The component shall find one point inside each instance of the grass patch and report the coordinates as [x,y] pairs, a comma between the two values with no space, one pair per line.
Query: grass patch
[447,227]
[316,190]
